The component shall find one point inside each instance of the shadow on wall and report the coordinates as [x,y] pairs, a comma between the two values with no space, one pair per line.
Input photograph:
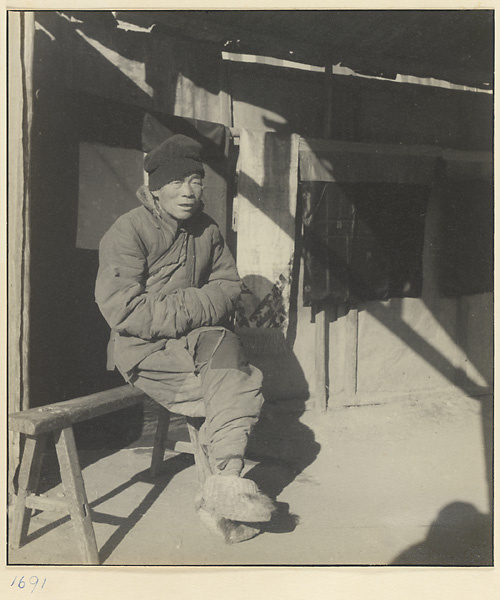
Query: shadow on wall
[460,536]
[266,324]
[388,315]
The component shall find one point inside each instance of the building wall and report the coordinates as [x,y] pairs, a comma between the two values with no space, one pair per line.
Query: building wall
[403,346]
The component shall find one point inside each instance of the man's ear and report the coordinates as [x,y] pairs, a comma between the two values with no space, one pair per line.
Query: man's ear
[157,209]
[149,200]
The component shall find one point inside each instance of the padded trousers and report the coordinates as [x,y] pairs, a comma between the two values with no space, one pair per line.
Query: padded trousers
[206,373]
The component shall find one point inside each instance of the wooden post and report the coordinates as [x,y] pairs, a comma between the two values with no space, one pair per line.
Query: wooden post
[327,131]
[320,341]
[321,324]
[351,353]
[21,44]
[159,443]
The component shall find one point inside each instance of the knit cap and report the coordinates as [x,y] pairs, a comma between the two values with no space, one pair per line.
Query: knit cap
[175,158]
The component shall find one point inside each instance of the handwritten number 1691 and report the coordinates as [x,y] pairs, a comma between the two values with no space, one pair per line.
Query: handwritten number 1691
[33,581]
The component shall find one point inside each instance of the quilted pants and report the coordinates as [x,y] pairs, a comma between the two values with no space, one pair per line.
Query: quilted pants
[207,374]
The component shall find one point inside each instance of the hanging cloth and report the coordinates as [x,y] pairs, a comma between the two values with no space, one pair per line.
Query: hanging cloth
[363,211]
[362,241]
[465,255]
[267,172]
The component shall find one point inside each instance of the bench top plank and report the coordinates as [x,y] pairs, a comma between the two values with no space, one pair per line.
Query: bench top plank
[63,414]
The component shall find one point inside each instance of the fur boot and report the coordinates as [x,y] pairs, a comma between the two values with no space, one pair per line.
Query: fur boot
[231,532]
[235,498]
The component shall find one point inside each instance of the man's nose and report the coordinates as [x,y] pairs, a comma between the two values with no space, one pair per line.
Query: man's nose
[187,189]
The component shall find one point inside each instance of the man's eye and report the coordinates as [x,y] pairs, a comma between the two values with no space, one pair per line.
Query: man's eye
[176,183]
[196,182]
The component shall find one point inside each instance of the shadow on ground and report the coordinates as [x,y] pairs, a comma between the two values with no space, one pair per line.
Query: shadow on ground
[124,525]
[460,536]
[102,436]
[283,447]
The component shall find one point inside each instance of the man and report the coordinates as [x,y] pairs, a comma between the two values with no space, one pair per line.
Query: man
[167,286]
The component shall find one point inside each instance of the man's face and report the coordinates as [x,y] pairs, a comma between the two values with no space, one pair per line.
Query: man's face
[181,198]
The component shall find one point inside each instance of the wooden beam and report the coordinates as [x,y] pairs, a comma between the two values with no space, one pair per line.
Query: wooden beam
[320,322]
[320,145]
[320,342]
[44,503]
[331,145]
[351,353]
[64,414]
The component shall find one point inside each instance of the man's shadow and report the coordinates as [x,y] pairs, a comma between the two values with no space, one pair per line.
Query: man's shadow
[460,536]
[283,447]
[280,443]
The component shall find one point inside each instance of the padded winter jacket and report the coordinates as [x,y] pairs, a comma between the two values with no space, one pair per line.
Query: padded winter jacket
[159,279]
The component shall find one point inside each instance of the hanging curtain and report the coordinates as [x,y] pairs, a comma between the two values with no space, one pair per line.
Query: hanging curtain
[108,180]
[363,213]
[267,173]
[465,255]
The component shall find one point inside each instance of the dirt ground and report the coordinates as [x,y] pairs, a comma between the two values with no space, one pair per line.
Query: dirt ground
[405,482]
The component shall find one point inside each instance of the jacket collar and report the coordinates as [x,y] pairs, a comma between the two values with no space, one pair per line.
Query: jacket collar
[163,219]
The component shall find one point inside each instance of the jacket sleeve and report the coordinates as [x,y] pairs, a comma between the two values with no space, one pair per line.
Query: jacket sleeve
[130,310]
[215,301]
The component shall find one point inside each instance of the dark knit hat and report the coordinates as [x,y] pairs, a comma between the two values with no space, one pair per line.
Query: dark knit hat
[175,158]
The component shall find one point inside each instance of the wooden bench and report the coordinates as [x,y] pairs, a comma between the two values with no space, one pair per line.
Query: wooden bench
[58,419]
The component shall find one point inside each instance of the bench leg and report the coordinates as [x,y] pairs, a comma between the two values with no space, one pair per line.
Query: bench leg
[74,490]
[159,443]
[29,475]
[193,423]
[200,458]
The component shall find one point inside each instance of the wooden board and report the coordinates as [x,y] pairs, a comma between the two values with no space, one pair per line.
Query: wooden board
[63,414]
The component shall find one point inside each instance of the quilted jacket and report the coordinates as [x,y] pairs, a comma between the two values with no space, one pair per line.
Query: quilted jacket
[159,279]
